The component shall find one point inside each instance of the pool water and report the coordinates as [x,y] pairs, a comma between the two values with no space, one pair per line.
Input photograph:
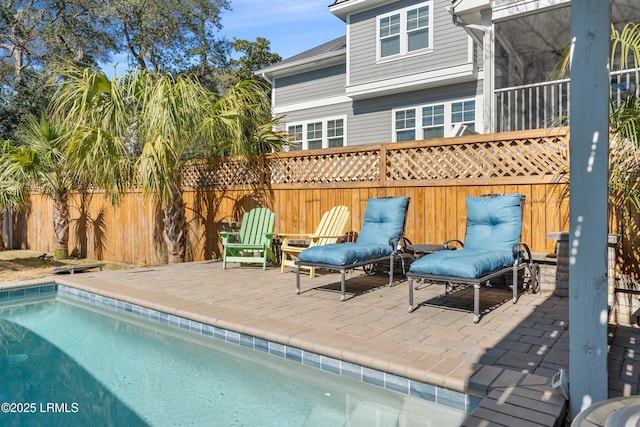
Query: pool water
[65,363]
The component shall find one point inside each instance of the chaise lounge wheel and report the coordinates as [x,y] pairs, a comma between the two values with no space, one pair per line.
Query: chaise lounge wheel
[534,280]
[370,268]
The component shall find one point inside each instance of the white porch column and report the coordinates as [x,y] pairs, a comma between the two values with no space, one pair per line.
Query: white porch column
[488,64]
[589,153]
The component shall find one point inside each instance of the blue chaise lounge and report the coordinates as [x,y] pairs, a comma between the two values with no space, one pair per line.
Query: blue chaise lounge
[492,248]
[382,230]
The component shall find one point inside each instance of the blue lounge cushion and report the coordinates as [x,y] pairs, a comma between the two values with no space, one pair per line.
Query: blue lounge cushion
[493,223]
[383,220]
[343,254]
[469,264]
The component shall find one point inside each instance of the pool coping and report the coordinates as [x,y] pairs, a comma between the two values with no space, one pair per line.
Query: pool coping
[432,393]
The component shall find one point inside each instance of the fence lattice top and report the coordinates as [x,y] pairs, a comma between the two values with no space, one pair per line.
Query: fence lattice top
[528,156]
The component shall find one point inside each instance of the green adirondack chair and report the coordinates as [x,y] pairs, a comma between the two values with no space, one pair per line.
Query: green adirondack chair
[253,242]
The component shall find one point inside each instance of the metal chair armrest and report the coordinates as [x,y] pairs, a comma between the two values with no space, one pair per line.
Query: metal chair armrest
[519,248]
[447,244]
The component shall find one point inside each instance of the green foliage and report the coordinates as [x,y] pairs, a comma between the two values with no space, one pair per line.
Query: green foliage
[624,126]
[177,37]
[624,123]
[165,34]
[164,120]
[256,55]
[625,47]
[12,191]
[27,98]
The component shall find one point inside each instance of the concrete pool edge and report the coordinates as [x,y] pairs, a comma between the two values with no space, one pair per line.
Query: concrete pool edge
[163,315]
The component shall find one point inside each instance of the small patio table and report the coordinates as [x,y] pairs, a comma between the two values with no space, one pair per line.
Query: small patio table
[419,250]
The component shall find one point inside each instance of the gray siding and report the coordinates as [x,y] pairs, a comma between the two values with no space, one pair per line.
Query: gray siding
[313,85]
[449,45]
[371,121]
[318,113]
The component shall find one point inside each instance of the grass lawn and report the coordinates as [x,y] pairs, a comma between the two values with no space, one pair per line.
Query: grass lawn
[20,264]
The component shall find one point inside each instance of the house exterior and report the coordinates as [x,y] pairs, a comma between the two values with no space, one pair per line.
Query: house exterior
[420,69]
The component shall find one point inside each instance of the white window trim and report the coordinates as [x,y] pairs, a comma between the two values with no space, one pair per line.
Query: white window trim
[449,126]
[404,52]
[325,136]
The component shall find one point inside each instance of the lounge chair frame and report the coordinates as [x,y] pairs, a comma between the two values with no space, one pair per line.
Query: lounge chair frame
[343,269]
[394,242]
[522,259]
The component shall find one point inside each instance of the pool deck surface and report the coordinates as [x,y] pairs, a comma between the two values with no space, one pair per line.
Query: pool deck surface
[508,357]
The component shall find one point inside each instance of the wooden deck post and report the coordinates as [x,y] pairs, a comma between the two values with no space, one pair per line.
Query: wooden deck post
[589,151]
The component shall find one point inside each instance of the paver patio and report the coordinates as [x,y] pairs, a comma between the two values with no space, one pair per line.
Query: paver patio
[509,356]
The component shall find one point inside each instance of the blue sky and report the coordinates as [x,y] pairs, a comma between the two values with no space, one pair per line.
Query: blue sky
[292,26]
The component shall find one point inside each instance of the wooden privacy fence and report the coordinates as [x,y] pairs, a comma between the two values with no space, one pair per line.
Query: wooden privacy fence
[299,186]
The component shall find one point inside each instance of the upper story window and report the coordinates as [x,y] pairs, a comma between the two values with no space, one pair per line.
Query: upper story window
[314,134]
[405,32]
[438,120]
[390,35]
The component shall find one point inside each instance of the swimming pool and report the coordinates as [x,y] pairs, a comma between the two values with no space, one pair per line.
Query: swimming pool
[66,362]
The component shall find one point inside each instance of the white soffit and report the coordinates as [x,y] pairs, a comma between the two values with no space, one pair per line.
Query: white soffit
[506,10]
[461,7]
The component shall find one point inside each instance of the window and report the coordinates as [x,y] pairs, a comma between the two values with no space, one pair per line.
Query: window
[317,134]
[406,125]
[295,137]
[335,132]
[390,35]
[314,135]
[438,120]
[433,121]
[464,112]
[418,28]
[404,32]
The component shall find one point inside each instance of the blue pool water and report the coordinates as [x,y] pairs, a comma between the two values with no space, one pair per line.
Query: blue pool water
[66,363]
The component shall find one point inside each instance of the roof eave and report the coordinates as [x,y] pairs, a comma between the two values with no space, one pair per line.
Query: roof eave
[342,10]
[306,64]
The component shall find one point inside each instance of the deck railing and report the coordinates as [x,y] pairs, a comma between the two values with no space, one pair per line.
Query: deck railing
[546,104]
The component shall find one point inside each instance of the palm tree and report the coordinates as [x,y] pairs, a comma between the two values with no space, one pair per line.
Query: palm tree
[624,122]
[58,156]
[48,160]
[39,161]
[167,120]
[12,192]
